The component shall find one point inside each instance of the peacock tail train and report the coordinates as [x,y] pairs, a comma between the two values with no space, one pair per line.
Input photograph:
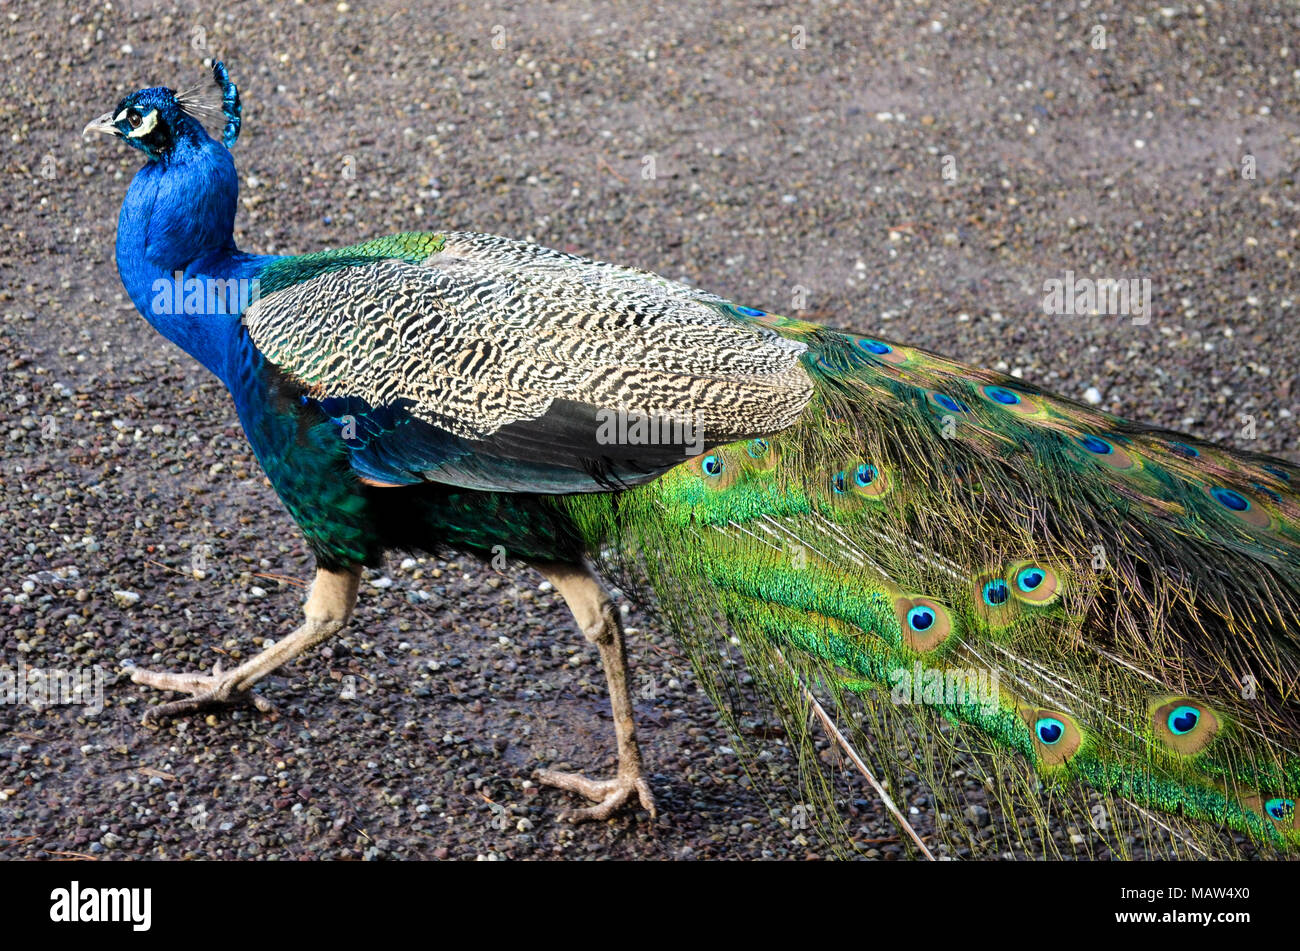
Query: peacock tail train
[991,581]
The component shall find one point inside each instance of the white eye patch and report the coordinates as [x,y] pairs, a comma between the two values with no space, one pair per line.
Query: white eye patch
[146,124]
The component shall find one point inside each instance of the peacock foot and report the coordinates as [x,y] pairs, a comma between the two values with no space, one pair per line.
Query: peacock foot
[207,691]
[607,794]
[333,595]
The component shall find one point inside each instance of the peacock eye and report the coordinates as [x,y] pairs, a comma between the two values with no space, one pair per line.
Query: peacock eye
[1183,719]
[1049,730]
[920,618]
[1029,578]
[133,119]
[1280,809]
[996,592]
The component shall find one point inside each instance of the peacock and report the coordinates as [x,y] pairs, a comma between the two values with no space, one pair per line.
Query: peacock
[959,573]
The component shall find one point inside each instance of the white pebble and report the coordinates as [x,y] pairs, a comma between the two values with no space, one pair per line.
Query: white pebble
[1092,395]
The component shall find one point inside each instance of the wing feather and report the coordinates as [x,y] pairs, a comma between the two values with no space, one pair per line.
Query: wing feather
[517,356]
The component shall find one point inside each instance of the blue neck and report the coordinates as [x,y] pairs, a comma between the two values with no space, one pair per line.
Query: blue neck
[179,217]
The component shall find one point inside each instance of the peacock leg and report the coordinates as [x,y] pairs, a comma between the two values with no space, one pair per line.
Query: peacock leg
[600,624]
[333,596]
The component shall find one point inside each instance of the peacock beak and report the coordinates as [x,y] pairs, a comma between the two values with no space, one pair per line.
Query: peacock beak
[103,124]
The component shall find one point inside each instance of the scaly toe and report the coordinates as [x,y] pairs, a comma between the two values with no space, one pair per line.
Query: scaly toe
[208,691]
[608,794]
[180,683]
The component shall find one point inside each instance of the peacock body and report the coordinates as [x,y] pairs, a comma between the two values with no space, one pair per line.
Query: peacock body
[973,570]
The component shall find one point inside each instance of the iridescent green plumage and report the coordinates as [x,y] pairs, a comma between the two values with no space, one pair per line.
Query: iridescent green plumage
[925,513]
[410,246]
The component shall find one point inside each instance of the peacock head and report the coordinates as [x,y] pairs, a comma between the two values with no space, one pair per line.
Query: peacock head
[158,120]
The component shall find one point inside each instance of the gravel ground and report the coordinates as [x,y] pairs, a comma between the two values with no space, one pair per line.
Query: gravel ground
[781,177]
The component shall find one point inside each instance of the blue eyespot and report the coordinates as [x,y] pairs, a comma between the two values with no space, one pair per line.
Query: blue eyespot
[948,403]
[1230,499]
[1096,444]
[920,618]
[1267,491]
[1283,810]
[1049,730]
[865,474]
[1183,720]
[1280,473]
[1184,450]
[712,466]
[839,482]
[1028,579]
[758,448]
[996,592]
[1002,395]
[876,347]
[751,312]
